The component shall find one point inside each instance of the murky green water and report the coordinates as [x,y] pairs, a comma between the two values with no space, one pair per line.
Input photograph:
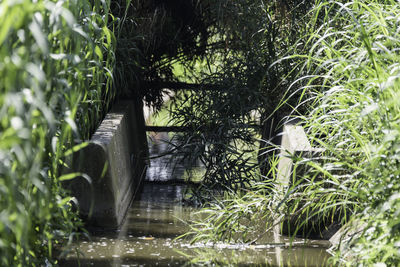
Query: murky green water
[155,219]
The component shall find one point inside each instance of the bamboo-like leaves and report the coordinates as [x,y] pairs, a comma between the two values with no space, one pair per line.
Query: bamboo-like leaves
[53,55]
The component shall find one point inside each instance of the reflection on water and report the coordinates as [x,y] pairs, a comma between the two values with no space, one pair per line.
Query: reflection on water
[146,239]
[156,218]
[166,166]
[160,166]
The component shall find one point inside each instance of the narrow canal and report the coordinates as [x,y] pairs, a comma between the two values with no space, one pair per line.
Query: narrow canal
[157,216]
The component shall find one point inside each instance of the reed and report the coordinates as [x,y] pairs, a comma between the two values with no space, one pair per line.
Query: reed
[56,63]
[355,118]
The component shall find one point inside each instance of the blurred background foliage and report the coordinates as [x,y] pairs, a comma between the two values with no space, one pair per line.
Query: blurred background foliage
[226,48]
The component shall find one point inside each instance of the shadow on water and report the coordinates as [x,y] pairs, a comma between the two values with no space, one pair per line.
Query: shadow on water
[157,217]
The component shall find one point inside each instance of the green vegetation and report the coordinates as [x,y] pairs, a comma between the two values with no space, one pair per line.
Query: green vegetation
[332,65]
[343,83]
[56,60]
[60,66]
[356,119]
[243,104]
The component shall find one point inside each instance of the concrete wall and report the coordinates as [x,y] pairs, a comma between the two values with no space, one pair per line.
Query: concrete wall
[115,161]
[296,144]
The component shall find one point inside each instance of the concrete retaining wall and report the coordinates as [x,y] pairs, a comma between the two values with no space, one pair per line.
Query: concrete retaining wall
[296,144]
[115,160]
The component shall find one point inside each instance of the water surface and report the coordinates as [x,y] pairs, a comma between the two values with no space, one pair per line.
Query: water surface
[157,216]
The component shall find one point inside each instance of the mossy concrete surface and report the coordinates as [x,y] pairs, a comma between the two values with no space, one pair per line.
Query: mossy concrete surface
[115,161]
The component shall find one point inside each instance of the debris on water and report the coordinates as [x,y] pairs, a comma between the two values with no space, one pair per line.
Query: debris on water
[155,254]
[242,246]
[146,238]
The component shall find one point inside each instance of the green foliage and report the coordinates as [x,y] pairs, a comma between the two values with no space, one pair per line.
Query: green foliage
[347,65]
[239,218]
[355,54]
[56,60]
[153,36]
[248,37]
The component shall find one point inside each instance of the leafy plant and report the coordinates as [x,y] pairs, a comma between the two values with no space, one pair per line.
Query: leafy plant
[56,62]
[238,99]
[356,119]
[347,69]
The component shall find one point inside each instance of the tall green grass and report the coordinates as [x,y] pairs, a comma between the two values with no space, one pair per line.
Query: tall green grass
[355,55]
[56,63]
